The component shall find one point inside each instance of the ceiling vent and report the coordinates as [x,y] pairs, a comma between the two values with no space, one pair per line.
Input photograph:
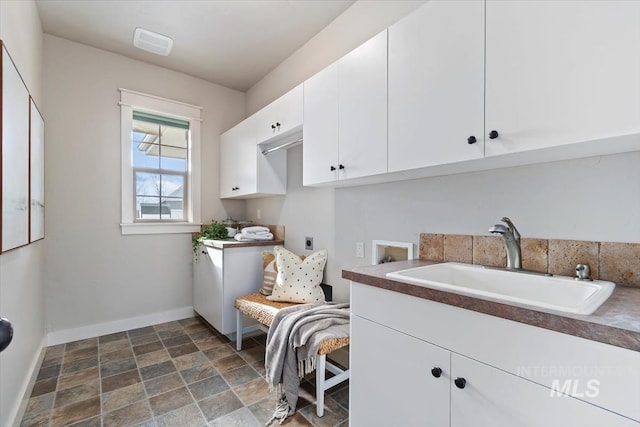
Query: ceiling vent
[152,42]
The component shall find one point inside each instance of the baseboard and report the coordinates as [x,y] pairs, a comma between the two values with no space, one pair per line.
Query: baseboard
[75,334]
[27,388]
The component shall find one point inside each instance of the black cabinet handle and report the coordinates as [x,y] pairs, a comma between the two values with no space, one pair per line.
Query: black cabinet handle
[277,124]
[436,372]
[204,252]
[471,140]
[235,188]
[332,168]
[493,134]
[460,383]
[6,333]
[273,127]
[340,167]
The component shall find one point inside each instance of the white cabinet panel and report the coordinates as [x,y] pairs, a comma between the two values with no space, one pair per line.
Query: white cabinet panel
[493,398]
[436,85]
[345,118]
[561,72]
[320,147]
[208,285]
[238,163]
[222,275]
[244,170]
[362,107]
[391,379]
[548,358]
[282,117]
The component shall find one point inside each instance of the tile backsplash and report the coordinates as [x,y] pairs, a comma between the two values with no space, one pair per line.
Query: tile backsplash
[617,262]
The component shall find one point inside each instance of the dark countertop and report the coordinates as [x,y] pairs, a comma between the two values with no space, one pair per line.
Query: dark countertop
[231,243]
[616,322]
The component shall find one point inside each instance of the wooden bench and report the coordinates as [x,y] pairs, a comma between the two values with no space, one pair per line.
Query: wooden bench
[259,308]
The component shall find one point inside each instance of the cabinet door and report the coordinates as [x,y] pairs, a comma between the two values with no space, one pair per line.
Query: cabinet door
[436,85]
[246,163]
[494,398]
[227,168]
[320,147]
[391,379]
[208,285]
[242,276]
[362,106]
[238,160]
[281,117]
[561,72]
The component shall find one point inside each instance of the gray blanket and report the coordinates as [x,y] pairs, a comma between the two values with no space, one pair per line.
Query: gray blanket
[292,345]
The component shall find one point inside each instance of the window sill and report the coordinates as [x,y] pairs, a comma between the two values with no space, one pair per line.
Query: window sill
[159,228]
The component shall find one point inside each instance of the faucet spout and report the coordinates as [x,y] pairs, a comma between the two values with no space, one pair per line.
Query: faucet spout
[511,241]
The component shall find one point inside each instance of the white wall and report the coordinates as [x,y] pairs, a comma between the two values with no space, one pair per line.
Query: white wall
[21,270]
[587,199]
[357,24]
[95,277]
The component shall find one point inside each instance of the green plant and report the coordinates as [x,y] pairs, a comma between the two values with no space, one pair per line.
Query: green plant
[213,231]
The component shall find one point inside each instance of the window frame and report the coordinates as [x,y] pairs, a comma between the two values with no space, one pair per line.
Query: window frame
[131,101]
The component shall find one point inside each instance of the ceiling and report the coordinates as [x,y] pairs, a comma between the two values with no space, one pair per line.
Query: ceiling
[233,43]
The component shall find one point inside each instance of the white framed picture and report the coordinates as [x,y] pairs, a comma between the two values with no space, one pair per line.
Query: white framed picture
[36,173]
[14,146]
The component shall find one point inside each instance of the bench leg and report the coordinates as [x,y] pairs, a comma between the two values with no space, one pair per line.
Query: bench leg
[239,328]
[320,383]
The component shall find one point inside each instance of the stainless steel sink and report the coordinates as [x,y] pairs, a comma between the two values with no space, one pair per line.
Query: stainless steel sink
[559,293]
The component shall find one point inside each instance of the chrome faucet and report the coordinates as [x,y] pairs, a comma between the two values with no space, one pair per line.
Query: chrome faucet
[511,242]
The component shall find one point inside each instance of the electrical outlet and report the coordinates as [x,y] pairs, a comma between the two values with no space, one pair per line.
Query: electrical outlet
[359,249]
[308,243]
[258,214]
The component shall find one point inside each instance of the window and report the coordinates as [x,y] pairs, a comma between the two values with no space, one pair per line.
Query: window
[160,165]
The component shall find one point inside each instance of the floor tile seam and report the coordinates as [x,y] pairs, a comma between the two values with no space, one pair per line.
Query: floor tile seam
[165,391]
[194,401]
[235,369]
[144,390]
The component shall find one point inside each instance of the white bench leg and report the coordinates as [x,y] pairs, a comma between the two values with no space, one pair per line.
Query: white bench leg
[239,328]
[320,383]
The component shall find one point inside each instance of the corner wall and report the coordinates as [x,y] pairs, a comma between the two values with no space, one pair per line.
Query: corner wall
[98,280]
[22,270]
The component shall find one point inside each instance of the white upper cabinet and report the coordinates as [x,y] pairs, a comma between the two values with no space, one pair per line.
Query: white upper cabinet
[280,118]
[345,116]
[244,171]
[237,166]
[561,72]
[436,85]
[320,147]
[362,107]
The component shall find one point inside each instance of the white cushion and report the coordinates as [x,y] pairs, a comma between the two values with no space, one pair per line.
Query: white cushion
[298,280]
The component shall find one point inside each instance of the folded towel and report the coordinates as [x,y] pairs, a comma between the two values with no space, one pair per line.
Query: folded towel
[241,237]
[255,230]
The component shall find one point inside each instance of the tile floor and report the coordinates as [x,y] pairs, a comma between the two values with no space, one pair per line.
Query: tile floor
[178,374]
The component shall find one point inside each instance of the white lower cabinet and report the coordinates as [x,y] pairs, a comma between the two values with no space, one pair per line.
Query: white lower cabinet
[391,382]
[494,398]
[222,275]
[409,368]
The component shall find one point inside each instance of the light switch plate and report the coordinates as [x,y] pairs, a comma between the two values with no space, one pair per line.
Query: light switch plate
[308,243]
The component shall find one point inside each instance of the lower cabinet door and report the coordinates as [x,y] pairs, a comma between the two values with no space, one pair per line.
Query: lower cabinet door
[208,286]
[493,398]
[392,383]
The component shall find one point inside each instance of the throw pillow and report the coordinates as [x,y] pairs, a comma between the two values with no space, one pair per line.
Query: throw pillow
[298,280]
[269,272]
